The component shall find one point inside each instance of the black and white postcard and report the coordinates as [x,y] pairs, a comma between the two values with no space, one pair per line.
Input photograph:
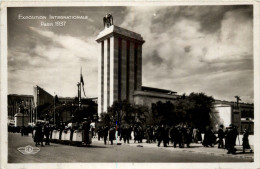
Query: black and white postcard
[130,84]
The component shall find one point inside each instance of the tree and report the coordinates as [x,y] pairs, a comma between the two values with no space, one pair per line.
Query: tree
[192,110]
[105,118]
[127,113]
[200,109]
[163,113]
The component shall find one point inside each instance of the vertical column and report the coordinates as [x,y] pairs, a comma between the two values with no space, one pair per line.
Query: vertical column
[139,67]
[131,71]
[108,72]
[135,66]
[123,70]
[113,69]
[100,78]
[127,68]
[119,68]
[105,77]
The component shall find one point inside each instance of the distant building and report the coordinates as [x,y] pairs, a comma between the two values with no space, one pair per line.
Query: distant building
[148,95]
[226,113]
[16,102]
[66,100]
[41,96]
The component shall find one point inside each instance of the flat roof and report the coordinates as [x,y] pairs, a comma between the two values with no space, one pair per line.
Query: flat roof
[157,90]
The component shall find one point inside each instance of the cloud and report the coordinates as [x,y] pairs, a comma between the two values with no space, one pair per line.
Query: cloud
[55,65]
[188,49]
[195,43]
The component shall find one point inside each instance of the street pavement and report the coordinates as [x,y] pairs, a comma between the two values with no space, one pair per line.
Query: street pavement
[133,152]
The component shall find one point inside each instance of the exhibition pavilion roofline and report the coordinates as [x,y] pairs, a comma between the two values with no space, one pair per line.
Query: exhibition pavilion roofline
[20,95]
[157,90]
[217,101]
[114,30]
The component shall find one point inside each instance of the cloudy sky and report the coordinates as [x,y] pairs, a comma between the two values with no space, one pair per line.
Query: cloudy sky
[188,49]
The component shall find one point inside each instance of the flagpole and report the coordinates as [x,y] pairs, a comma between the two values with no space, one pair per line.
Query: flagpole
[80,86]
[54,124]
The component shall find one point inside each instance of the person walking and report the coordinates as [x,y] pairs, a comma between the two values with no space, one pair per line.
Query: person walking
[99,131]
[167,135]
[105,134]
[231,139]
[209,137]
[47,134]
[135,134]
[221,136]
[123,133]
[38,138]
[140,133]
[188,137]
[161,135]
[195,135]
[245,140]
[149,134]
[112,132]
[86,128]
[175,136]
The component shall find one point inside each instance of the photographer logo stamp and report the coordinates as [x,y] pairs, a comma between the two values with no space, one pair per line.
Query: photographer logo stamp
[28,150]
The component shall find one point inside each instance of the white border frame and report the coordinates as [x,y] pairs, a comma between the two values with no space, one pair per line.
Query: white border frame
[49,3]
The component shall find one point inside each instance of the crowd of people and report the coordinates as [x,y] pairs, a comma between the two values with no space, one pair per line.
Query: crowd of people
[180,135]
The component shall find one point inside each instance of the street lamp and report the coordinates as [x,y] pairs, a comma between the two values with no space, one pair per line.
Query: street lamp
[54,110]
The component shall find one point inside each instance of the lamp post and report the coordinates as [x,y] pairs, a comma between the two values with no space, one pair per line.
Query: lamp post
[54,111]
[37,94]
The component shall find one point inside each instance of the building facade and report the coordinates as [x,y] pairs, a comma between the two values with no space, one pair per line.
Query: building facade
[119,66]
[238,114]
[41,96]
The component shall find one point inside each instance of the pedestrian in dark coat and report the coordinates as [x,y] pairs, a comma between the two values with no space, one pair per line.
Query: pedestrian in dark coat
[231,140]
[195,135]
[175,136]
[149,134]
[136,134]
[221,136]
[47,134]
[99,131]
[161,136]
[38,138]
[140,134]
[209,138]
[188,137]
[105,133]
[112,132]
[167,134]
[86,128]
[126,134]
[245,140]
[183,133]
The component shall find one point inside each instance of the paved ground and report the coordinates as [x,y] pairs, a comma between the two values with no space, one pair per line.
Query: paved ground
[98,152]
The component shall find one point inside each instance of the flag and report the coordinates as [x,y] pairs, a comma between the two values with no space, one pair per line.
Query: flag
[82,82]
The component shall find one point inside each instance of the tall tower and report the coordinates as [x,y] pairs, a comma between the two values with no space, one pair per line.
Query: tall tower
[119,66]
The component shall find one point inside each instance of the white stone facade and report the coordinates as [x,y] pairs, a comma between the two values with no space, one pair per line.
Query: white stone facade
[119,66]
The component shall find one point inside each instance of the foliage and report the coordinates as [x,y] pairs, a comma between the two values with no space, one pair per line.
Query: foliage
[105,118]
[125,113]
[192,110]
